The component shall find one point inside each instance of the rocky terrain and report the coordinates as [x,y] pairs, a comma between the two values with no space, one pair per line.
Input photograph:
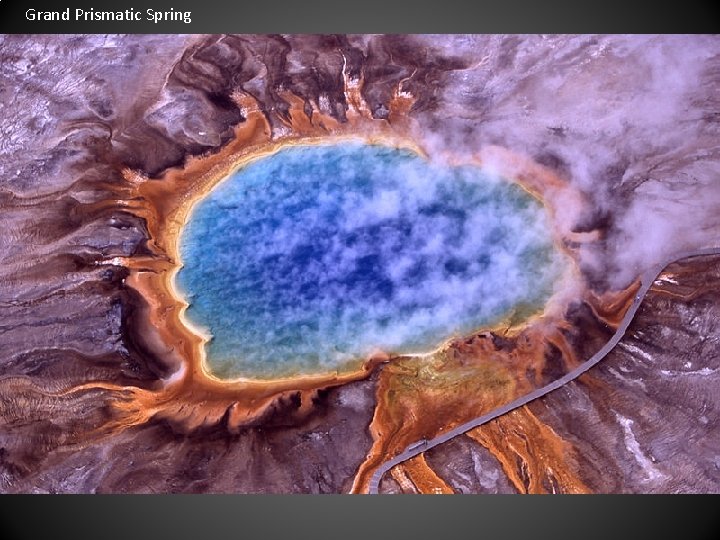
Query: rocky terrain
[92,128]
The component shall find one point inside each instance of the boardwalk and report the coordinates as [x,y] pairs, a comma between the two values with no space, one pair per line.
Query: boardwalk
[648,277]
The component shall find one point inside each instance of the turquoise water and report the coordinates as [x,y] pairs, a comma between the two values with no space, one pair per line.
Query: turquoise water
[317,256]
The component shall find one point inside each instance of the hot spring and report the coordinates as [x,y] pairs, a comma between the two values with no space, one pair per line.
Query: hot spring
[309,260]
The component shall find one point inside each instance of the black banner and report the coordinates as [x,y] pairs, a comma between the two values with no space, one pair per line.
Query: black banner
[326,16]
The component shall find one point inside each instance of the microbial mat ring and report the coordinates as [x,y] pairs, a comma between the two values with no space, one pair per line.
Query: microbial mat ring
[311,259]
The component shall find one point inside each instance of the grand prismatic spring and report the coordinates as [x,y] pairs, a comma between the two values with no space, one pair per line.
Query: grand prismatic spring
[316,257]
[359,263]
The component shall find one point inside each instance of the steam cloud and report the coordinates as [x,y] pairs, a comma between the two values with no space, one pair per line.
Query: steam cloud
[631,120]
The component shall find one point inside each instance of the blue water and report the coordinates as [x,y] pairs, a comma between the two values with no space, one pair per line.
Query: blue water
[317,256]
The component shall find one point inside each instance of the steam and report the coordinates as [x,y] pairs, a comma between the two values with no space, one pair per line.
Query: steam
[632,121]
